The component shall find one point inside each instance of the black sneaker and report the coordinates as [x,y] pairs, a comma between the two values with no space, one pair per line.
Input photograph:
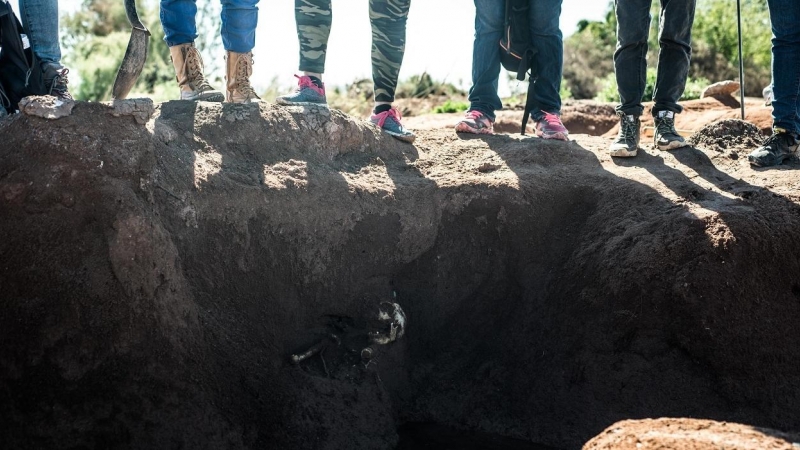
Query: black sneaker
[627,142]
[666,138]
[55,80]
[778,148]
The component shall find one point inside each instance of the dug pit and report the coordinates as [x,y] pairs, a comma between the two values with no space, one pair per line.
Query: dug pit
[157,278]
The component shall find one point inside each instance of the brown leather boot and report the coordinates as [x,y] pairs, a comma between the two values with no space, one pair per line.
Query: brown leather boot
[189,73]
[239,67]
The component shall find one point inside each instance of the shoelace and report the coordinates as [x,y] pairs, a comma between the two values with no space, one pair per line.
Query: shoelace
[628,129]
[665,126]
[393,113]
[244,69]
[787,137]
[4,102]
[194,69]
[474,114]
[305,82]
[59,85]
[553,120]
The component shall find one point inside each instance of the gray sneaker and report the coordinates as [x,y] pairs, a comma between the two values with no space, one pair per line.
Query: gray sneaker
[307,94]
[778,148]
[389,121]
[666,138]
[626,143]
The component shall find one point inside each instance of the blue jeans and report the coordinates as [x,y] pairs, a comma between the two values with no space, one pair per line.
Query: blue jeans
[40,20]
[630,64]
[785,17]
[239,19]
[547,40]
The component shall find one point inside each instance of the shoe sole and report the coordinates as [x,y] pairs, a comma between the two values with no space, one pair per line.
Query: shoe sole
[781,160]
[409,138]
[624,153]
[462,127]
[216,98]
[554,136]
[249,100]
[288,103]
[674,145]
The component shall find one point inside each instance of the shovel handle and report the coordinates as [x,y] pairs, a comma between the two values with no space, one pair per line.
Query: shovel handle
[133,16]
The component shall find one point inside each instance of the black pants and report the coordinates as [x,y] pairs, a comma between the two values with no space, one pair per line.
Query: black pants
[630,64]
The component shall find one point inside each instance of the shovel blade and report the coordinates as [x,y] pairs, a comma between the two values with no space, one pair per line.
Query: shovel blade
[132,64]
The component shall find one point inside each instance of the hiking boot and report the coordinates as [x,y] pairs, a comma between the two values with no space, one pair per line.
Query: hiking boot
[389,121]
[550,127]
[55,79]
[627,142]
[306,94]
[778,148]
[665,137]
[239,68]
[475,122]
[189,74]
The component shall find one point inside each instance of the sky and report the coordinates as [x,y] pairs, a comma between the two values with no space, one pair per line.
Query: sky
[439,39]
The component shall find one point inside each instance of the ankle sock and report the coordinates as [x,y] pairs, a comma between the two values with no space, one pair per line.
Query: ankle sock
[381,109]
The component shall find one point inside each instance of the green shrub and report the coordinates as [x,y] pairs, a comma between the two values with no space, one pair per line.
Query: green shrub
[607,91]
[422,86]
[451,107]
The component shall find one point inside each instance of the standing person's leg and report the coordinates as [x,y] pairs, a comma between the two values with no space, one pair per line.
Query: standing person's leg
[40,20]
[483,98]
[178,21]
[239,20]
[784,15]
[630,67]
[314,19]
[548,67]
[675,40]
[388,19]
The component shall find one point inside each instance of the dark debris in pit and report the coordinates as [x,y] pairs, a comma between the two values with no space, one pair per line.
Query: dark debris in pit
[728,135]
[336,353]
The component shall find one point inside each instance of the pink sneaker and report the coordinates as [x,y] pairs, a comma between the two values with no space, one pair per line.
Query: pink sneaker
[389,122]
[475,122]
[307,94]
[550,127]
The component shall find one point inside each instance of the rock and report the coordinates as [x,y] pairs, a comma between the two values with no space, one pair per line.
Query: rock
[721,89]
[140,108]
[46,106]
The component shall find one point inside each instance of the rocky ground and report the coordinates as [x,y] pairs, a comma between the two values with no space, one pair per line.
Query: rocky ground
[162,263]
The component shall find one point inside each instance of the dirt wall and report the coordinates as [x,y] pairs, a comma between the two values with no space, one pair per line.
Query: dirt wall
[156,277]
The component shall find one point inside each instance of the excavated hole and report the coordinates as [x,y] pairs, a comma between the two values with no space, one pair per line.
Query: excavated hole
[492,263]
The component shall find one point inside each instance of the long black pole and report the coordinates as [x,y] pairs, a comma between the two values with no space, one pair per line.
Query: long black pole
[741,61]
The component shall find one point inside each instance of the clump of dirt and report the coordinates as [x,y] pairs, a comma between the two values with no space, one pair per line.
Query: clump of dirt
[690,434]
[727,134]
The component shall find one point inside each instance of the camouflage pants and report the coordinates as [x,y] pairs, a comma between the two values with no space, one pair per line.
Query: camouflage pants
[388,20]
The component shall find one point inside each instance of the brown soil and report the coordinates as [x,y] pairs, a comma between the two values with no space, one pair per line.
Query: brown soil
[727,134]
[689,434]
[156,279]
